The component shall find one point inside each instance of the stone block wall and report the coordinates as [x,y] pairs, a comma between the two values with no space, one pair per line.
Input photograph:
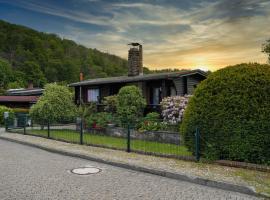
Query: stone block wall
[156,136]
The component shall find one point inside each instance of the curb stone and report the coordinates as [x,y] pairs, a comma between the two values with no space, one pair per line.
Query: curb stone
[182,177]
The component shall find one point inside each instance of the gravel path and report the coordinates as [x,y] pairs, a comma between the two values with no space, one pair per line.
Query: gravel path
[30,173]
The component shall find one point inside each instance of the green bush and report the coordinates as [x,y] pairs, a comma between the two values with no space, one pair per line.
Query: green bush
[153,116]
[99,120]
[87,110]
[55,105]
[151,122]
[2,110]
[110,103]
[231,108]
[130,104]
[150,126]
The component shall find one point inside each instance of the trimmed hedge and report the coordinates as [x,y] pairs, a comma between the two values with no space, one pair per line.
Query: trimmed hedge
[130,104]
[231,108]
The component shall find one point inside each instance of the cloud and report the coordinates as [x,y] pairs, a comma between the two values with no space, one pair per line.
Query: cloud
[185,33]
[75,15]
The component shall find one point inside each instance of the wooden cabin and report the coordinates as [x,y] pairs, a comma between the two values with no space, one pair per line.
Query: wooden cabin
[154,87]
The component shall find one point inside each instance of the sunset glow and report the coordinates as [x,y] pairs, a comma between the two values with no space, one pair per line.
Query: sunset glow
[175,34]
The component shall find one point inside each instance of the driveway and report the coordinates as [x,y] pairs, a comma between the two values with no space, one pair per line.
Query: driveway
[30,173]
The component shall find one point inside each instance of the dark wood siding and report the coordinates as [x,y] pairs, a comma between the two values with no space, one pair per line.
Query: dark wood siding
[192,82]
[179,85]
[183,85]
[104,91]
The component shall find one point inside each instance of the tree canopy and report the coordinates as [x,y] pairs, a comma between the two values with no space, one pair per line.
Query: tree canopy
[266,49]
[44,57]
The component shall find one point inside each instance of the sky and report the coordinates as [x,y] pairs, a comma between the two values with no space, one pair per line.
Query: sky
[183,34]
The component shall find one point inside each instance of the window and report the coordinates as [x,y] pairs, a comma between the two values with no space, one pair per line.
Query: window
[92,95]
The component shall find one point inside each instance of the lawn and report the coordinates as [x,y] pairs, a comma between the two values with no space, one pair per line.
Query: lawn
[114,142]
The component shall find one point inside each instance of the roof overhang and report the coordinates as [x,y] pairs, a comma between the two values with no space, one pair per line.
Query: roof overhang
[23,99]
[129,79]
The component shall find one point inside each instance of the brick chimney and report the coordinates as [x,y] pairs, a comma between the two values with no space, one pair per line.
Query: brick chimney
[135,60]
[30,85]
[81,76]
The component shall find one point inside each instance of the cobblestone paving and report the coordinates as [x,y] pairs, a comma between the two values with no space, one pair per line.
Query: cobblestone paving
[212,172]
[30,173]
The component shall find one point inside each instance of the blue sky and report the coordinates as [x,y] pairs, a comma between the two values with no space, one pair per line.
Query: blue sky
[180,34]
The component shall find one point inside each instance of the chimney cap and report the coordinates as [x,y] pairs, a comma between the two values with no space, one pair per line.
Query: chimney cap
[135,44]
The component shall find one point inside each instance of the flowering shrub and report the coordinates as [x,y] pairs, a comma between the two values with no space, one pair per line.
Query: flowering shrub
[173,108]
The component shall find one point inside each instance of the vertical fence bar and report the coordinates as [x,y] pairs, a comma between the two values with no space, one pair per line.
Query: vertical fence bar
[48,129]
[197,144]
[24,124]
[81,131]
[128,138]
[6,123]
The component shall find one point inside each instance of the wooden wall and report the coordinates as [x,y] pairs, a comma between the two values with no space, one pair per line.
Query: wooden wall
[179,85]
[192,82]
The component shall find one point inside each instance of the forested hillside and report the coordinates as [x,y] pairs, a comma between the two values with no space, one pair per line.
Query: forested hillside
[28,55]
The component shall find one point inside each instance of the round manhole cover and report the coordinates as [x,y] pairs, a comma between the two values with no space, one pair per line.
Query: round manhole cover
[86,170]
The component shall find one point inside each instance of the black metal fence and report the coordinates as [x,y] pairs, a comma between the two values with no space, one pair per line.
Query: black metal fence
[127,137]
[249,142]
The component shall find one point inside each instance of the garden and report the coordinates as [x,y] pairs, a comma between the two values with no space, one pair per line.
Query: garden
[58,118]
[227,118]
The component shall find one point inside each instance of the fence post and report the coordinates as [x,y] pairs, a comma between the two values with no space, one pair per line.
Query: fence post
[6,117]
[6,124]
[128,138]
[197,144]
[48,129]
[24,125]
[81,131]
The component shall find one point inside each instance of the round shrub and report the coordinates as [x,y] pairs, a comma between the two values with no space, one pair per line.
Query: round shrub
[130,104]
[231,108]
[55,105]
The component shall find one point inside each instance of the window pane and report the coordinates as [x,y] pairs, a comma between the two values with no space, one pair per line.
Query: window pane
[92,95]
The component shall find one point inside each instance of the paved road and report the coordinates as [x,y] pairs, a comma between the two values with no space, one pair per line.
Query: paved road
[29,173]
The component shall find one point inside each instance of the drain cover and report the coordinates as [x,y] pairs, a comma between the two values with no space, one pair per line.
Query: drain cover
[86,170]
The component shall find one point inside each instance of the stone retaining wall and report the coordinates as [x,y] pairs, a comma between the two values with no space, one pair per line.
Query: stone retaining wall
[158,136]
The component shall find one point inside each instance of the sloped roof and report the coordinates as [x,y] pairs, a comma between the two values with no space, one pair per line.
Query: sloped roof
[25,92]
[30,99]
[127,79]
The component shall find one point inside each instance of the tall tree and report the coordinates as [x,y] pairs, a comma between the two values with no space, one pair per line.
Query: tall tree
[266,49]
[33,73]
[5,73]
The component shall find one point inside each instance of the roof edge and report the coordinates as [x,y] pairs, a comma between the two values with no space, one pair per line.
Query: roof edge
[186,73]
